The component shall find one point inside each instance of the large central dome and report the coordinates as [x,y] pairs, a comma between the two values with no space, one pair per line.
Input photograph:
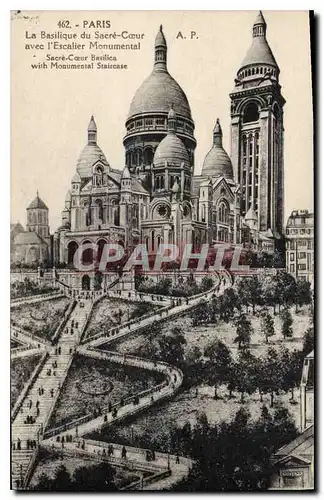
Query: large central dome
[159,92]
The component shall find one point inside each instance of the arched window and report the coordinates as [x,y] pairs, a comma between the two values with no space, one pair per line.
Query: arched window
[139,156]
[146,239]
[152,241]
[99,209]
[148,156]
[251,113]
[203,213]
[223,213]
[158,240]
[88,253]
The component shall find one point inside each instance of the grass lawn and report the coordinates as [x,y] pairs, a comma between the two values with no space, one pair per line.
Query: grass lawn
[152,429]
[42,318]
[50,461]
[109,313]
[91,374]
[203,335]
[20,371]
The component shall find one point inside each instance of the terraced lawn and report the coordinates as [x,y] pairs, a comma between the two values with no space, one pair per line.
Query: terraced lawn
[40,319]
[20,371]
[50,461]
[109,313]
[153,429]
[203,335]
[92,384]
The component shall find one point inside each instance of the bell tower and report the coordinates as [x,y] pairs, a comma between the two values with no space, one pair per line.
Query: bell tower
[257,133]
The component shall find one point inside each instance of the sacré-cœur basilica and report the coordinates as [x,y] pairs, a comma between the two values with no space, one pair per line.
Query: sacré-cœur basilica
[157,197]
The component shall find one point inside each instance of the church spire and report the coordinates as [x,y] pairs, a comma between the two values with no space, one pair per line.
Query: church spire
[92,131]
[259,26]
[218,135]
[160,52]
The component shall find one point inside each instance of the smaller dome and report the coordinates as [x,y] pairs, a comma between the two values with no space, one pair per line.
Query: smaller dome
[217,163]
[171,149]
[89,156]
[37,203]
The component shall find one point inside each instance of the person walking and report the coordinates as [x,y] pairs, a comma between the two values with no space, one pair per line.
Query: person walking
[124,453]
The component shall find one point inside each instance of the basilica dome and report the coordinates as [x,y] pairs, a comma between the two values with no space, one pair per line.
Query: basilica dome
[91,153]
[160,91]
[217,163]
[171,149]
[157,93]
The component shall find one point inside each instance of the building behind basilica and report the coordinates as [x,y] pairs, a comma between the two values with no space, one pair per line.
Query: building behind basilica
[158,197]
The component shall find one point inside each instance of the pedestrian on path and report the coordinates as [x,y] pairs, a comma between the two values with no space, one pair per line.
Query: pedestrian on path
[177,459]
[124,452]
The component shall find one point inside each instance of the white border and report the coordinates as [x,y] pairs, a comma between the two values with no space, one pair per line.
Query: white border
[94,5]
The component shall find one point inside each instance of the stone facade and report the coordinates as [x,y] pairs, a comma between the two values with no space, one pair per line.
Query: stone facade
[300,245]
[33,246]
[157,197]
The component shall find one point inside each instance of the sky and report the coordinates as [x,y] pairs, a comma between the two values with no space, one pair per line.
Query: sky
[51,109]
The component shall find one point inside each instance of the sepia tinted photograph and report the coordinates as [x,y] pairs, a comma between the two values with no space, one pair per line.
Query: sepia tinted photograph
[162,251]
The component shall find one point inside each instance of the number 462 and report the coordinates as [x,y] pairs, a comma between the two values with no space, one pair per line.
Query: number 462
[64,24]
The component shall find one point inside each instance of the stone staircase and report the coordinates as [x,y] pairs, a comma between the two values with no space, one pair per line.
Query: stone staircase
[62,354]
[20,461]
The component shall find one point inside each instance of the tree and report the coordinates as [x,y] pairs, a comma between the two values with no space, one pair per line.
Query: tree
[200,314]
[286,288]
[245,370]
[219,365]
[171,347]
[243,331]
[94,478]
[291,366]
[308,341]
[269,291]
[267,325]
[286,323]
[243,293]
[270,375]
[227,303]
[206,283]
[62,481]
[303,295]
[44,483]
